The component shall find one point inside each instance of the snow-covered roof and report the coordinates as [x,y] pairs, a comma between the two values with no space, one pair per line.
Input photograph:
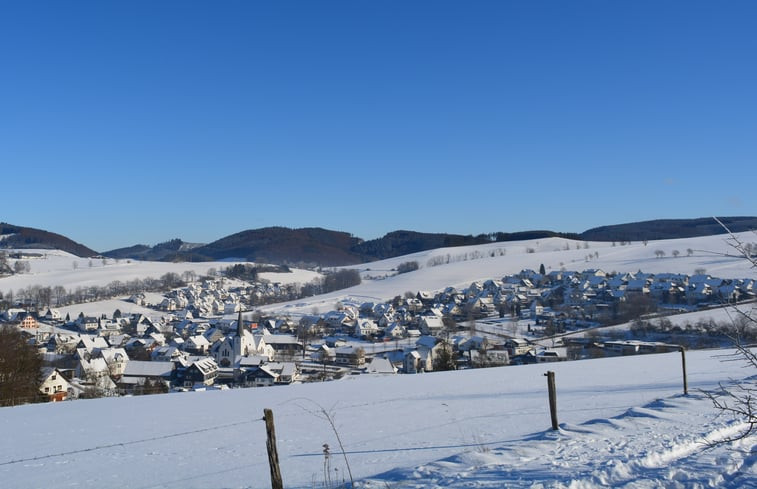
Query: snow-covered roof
[138,368]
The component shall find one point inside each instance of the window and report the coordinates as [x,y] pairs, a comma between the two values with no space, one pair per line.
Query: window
[47,390]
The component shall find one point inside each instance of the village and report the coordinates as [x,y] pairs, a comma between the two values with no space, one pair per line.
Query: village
[208,334]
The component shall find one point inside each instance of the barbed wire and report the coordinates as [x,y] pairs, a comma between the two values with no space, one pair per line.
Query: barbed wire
[127,443]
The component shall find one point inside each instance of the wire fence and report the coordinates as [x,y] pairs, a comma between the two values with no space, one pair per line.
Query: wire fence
[131,442]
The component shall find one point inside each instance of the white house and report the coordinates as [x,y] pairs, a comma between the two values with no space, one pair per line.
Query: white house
[54,385]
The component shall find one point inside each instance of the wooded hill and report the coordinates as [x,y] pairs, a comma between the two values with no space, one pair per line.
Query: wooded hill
[21,237]
[317,246]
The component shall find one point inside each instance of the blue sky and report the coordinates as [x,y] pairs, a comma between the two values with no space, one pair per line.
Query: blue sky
[139,122]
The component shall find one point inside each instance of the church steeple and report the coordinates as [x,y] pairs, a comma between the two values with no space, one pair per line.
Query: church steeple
[240,324]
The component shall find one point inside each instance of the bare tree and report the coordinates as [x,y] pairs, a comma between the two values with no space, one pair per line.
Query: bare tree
[739,398]
[20,374]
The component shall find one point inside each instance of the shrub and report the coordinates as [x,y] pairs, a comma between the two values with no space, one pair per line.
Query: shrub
[408,266]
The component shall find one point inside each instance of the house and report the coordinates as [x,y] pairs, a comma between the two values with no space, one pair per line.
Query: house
[517,346]
[27,320]
[109,327]
[197,344]
[426,298]
[278,373]
[284,346]
[429,348]
[414,305]
[431,325]
[323,354]
[395,331]
[93,369]
[286,372]
[92,344]
[116,359]
[166,354]
[52,315]
[94,377]
[412,363]
[137,373]
[88,324]
[54,385]
[366,328]
[199,371]
[349,356]
[380,365]
[259,377]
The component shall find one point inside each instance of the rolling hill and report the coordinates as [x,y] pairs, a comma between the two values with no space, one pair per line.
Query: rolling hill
[317,246]
[20,237]
[323,247]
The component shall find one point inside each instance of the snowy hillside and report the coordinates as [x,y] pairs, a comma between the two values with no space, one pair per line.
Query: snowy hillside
[460,266]
[438,268]
[55,267]
[623,422]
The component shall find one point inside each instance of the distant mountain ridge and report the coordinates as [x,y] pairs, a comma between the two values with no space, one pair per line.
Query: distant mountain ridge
[22,237]
[169,251]
[318,246]
[669,229]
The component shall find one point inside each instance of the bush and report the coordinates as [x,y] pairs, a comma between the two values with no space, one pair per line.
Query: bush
[408,266]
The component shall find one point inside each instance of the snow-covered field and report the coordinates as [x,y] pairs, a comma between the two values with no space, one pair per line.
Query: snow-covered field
[60,268]
[624,423]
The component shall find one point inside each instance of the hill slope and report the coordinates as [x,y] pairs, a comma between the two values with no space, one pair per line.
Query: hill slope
[20,237]
[622,422]
[669,229]
[278,245]
[334,248]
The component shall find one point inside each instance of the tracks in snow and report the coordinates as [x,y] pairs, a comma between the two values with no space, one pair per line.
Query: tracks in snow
[663,444]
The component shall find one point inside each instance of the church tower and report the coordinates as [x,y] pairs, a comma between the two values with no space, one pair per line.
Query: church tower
[240,325]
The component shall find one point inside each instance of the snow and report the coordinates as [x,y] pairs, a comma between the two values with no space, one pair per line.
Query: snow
[380,282]
[56,267]
[623,422]
[96,309]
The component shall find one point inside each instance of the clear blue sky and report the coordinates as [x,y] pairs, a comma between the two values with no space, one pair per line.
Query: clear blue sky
[141,121]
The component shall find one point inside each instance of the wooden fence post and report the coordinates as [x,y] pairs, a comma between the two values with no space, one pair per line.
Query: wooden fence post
[273,454]
[552,399]
[683,365]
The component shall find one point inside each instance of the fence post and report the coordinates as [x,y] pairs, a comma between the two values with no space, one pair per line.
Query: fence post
[683,365]
[273,454]
[552,398]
